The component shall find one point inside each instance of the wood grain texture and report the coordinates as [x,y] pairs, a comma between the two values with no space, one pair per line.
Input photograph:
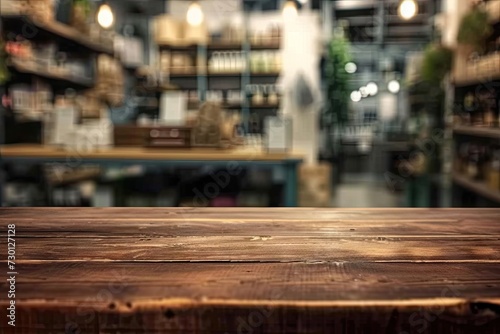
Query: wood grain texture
[139,153]
[255,271]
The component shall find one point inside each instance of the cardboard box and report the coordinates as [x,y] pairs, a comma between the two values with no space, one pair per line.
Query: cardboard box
[315,185]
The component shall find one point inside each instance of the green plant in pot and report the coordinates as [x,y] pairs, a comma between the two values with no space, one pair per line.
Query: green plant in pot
[436,63]
[80,15]
[475,28]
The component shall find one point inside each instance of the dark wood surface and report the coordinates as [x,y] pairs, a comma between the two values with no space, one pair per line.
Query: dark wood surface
[254,270]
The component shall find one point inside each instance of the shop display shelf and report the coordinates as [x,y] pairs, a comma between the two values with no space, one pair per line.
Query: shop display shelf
[58,30]
[478,187]
[67,79]
[477,131]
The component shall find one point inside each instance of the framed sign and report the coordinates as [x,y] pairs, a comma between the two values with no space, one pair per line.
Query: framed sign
[278,134]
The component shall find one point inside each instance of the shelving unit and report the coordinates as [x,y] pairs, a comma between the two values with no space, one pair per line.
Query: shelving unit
[477,131]
[194,105]
[205,78]
[56,30]
[65,79]
[475,145]
[477,187]
[76,45]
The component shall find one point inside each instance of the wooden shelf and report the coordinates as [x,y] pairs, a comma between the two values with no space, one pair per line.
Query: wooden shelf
[180,48]
[477,131]
[60,30]
[194,105]
[75,176]
[225,75]
[184,75]
[225,47]
[478,187]
[485,70]
[265,74]
[221,46]
[27,68]
[266,46]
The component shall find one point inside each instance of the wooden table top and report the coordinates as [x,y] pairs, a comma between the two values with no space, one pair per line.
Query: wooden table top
[140,153]
[186,270]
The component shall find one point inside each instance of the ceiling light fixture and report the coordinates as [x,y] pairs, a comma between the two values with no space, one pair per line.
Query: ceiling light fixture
[372,88]
[364,91]
[194,14]
[105,16]
[408,9]
[356,96]
[290,9]
[394,86]
[351,67]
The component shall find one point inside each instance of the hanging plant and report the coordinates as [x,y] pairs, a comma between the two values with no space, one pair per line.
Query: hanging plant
[337,79]
[475,28]
[436,63]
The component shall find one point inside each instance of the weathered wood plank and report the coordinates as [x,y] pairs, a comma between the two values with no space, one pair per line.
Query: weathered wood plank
[127,282]
[260,248]
[255,271]
[169,228]
[245,214]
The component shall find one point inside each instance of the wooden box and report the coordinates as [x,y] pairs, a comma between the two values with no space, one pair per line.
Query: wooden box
[169,137]
[131,135]
[315,185]
[168,30]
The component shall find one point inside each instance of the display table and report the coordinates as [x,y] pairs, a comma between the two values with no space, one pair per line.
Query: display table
[253,270]
[233,159]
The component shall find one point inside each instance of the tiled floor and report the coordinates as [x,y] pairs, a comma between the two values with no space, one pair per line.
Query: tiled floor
[362,191]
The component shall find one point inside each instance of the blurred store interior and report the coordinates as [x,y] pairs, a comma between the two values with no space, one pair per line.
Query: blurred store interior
[250,103]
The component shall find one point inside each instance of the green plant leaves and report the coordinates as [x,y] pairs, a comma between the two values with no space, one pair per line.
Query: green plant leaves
[474,28]
[437,63]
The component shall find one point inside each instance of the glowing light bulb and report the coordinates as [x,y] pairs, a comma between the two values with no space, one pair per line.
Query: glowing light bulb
[351,67]
[372,88]
[364,91]
[195,14]
[356,96]
[394,86]
[105,16]
[408,9]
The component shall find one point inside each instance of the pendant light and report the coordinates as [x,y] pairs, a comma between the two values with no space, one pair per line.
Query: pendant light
[408,9]
[105,16]
[290,9]
[394,86]
[194,14]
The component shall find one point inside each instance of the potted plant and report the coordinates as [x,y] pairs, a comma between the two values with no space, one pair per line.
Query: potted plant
[475,28]
[436,63]
[80,14]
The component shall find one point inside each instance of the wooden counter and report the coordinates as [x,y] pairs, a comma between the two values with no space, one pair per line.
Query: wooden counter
[231,159]
[26,151]
[254,271]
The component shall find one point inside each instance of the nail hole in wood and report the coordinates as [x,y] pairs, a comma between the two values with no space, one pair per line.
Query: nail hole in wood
[169,314]
[112,306]
[129,304]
